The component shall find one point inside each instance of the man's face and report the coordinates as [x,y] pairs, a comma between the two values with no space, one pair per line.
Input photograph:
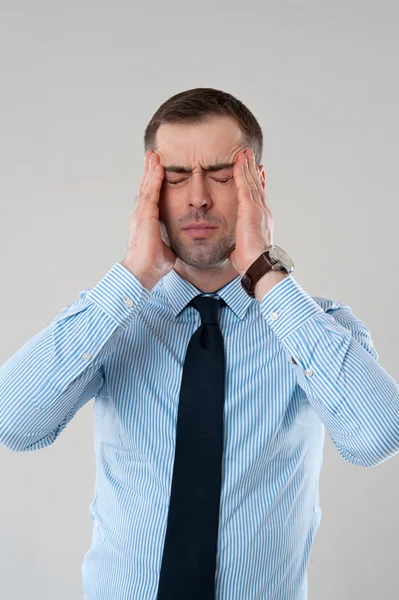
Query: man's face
[200,196]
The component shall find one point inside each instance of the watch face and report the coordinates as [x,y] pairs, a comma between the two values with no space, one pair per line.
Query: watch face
[277,254]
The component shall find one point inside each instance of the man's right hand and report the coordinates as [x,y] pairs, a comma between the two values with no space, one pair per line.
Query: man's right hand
[148,257]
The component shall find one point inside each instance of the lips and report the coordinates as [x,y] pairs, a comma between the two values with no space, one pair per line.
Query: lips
[199,226]
[200,232]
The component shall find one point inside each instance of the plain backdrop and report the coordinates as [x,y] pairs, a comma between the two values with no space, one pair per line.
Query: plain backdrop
[79,82]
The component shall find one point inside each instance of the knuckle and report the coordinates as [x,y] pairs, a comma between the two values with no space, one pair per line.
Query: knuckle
[146,194]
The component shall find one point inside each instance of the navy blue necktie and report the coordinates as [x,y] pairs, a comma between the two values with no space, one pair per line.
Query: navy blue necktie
[189,555]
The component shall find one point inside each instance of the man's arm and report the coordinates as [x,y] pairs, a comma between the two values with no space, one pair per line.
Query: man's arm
[56,372]
[337,366]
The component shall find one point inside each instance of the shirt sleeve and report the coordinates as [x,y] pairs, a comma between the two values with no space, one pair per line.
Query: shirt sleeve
[337,366]
[58,370]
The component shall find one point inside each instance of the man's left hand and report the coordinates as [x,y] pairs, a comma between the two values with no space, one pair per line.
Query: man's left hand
[255,224]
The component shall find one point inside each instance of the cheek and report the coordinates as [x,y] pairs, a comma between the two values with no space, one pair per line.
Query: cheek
[168,206]
[163,206]
[230,203]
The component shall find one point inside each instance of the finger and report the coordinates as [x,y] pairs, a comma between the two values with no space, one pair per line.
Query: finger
[253,170]
[252,177]
[152,166]
[253,193]
[147,157]
[239,173]
[150,195]
[153,183]
[152,163]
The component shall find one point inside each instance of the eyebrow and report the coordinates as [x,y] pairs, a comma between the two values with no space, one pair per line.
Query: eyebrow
[211,168]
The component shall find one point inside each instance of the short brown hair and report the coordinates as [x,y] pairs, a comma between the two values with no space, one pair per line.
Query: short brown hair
[193,106]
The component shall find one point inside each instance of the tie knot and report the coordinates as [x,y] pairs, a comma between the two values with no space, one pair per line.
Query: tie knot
[208,308]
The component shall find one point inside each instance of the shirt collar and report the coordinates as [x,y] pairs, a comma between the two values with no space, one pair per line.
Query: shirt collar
[179,292]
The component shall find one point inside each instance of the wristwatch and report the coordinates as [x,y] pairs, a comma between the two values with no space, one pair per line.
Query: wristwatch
[274,258]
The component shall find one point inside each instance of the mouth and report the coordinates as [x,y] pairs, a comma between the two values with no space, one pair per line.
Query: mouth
[200,232]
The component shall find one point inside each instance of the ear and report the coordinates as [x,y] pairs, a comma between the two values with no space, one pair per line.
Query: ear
[262,175]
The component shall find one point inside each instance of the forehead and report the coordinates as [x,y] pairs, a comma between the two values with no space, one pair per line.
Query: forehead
[214,140]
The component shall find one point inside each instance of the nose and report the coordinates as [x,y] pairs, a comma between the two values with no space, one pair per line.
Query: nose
[198,192]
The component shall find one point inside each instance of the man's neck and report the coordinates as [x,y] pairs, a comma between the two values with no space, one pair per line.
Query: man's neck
[207,280]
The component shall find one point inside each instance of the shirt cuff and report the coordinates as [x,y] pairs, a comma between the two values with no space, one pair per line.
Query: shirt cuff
[120,294]
[287,306]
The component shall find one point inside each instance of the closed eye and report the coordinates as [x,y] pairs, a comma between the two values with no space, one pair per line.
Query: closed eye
[224,180]
[218,180]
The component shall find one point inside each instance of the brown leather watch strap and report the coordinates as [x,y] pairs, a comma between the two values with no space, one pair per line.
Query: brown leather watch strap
[261,266]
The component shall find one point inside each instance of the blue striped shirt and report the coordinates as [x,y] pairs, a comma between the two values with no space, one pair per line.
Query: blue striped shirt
[295,365]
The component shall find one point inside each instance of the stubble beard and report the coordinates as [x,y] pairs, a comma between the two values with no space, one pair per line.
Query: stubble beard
[201,253]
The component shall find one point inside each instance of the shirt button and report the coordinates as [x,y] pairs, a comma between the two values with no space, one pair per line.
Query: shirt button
[86,356]
[274,315]
[128,302]
[309,372]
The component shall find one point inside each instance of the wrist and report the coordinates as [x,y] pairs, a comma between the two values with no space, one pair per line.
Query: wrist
[145,280]
[267,282]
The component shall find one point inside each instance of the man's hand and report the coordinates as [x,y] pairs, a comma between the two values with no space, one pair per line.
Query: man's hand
[255,223]
[148,257]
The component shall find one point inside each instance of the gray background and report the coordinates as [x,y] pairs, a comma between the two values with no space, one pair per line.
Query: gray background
[79,82]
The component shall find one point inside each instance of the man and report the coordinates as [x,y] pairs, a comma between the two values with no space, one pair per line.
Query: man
[209,422]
